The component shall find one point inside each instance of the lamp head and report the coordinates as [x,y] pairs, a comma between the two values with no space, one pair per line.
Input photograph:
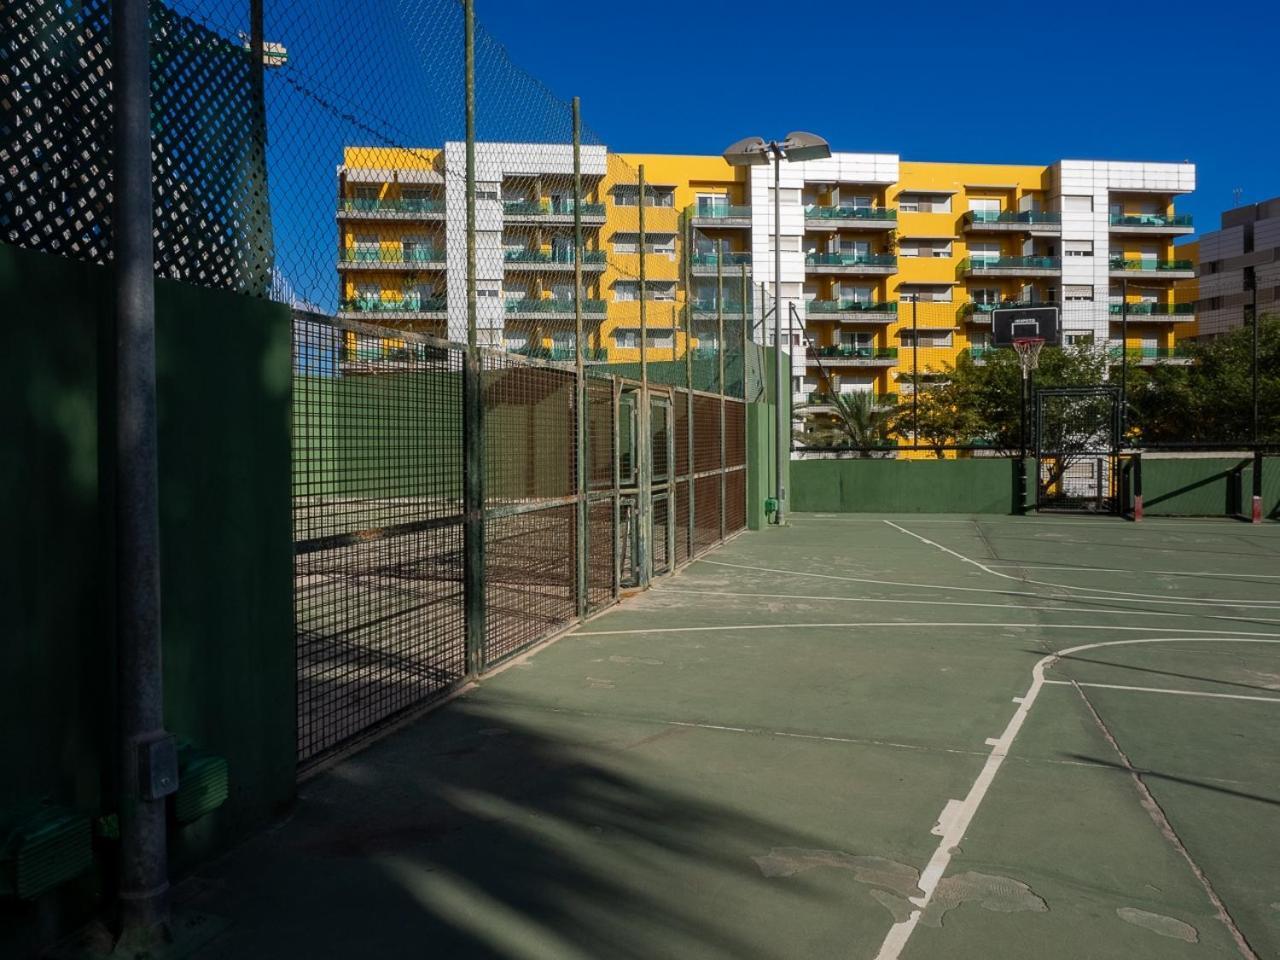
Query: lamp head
[805,146]
[749,152]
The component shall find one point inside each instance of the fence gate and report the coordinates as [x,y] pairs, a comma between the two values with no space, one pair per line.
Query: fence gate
[1077,443]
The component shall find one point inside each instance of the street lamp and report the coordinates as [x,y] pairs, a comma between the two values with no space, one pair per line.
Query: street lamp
[756,151]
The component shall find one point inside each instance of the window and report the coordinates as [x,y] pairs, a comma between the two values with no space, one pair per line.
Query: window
[858,293]
[789,244]
[419,247]
[489,289]
[365,192]
[489,194]
[368,292]
[984,250]
[849,200]
[562,341]
[926,293]
[516,340]
[926,338]
[629,337]
[1077,292]
[924,202]
[856,338]
[789,195]
[984,204]
[654,243]
[629,290]
[924,248]
[661,290]
[1077,248]
[1077,204]
[367,247]
[985,295]
[628,195]
[626,290]
[415,193]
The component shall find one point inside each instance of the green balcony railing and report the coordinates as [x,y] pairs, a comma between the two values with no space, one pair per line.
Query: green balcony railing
[366,205]
[548,208]
[849,306]
[551,256]
[732,258]
[971,308]
[1029,217]
[1120,263]
[392,305]
[980,353]
[1155,309]
[722,211]
[732,308]
[877,399]
[1178,351]
[821,212]
[980,264]
[392,255]
[851,260]
[563,354]
[1151,220]
[553,305]
[859,353]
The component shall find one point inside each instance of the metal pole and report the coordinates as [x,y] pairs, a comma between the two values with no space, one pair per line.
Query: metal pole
[1022,453]
[782,427]
[1256,505]
[579,369]
[644,317]
[746,333]
[472,392]
[1124,356]
[915,371]
[148,761]
[720,373]
[644,508]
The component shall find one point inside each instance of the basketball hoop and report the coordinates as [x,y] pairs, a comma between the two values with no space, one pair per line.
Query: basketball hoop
[1028,353]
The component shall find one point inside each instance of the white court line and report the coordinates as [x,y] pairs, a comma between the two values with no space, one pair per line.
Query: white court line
[996,519]
[960,813]
[908,623]
[1169,573]
[961,603]
[1003,593]
[1120,595]
[1180,693]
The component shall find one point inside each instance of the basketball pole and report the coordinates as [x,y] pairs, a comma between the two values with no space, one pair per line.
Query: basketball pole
[1022,459]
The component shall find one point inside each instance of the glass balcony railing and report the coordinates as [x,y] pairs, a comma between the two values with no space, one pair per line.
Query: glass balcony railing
[1154,309]
[392,255]
[1029,217]
[392,305]
[722,211]
[1178,351]
[366,205]
[732,258]
[552,305]
[1151,220]
[849,306]
[731,307]
[1120,263]
[859,353]
[970,308]
[820,212]
[551,256]
[979,264]
[877,399]
[981,352]
[549,208]
[851,260]
[559,353]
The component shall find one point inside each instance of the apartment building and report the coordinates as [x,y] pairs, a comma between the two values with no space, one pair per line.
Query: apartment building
[1237,269]
[863,236]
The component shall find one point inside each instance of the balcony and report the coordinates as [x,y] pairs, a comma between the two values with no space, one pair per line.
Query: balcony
[1150,356]
[360,208]
[1152,223]
[820,398]
[979,354]
[721,215]
[391,308]
[414,258]
[981,312]
[551,308]
[847,355]
[819,217]
[1037,223]
[707,264]
[851,311]
[560,354]
[1011,266]
[1147,268]
[560,261]
[1153,312]
[544,211]
[864,264]
[732,308]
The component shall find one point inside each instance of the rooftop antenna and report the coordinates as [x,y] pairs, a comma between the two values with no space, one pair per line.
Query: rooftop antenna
[1237,192]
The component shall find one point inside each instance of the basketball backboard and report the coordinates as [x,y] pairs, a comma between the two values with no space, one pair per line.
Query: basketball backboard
[1015,323]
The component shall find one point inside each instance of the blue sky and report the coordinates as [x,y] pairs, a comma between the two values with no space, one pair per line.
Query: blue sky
[989,82]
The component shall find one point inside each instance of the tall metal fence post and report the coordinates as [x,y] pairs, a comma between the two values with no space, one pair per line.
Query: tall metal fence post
[644,509]
[1124,357]
[579,369]
[1255,511]
[915,370]
[472,391]
[147,760]
[720,371]
[746,332]
[688,419]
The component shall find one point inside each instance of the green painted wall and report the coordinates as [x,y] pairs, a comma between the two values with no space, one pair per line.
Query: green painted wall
[223,404]
[903,486]
[1206,486]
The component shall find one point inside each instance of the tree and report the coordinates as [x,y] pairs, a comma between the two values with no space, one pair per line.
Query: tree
[854,420]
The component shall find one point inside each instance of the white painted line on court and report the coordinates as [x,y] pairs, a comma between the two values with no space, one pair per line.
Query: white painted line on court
[1168,573]
[906,623]
[1179,693]
[1117,594]
[959,819]
[1004,593]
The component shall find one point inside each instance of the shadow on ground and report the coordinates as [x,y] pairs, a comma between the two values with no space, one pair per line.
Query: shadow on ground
[470,834]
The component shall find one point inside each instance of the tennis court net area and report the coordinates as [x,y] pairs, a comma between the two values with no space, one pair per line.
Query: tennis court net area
[856,736]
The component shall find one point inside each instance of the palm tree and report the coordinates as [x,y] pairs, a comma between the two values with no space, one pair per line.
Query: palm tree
[845,420]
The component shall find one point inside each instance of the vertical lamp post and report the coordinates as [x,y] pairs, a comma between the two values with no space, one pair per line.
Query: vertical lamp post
[755,151]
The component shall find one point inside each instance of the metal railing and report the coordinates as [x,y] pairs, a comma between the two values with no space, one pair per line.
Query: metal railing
[850,306]
[725,211]
[851,260]
[548,208]
[1121,263]
[551,256]
[392,305]
[821,212]
[971,308]
[732,258]
[404,205]
[1151,220]
[1152,353]
[1154,309]
[979,264]
[858,353]
[392,255]
[1030,217]
[552,305]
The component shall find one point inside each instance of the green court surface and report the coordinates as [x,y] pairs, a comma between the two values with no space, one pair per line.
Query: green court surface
[923,737]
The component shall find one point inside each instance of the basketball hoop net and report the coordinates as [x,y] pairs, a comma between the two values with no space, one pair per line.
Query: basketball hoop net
[1028,353]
